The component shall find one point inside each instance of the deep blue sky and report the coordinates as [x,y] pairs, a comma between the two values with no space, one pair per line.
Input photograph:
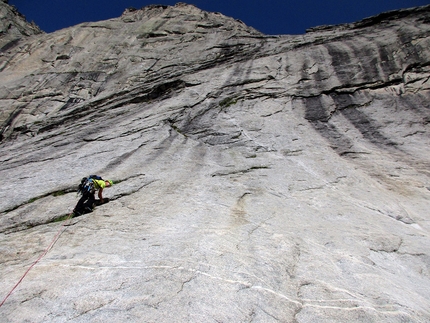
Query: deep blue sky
[268,16]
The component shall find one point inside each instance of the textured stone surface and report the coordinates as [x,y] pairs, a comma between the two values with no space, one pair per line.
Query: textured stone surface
[258,179]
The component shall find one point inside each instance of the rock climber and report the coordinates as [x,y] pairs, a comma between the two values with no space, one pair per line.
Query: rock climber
[88,187]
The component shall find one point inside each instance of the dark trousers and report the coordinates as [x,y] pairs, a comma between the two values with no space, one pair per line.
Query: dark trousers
[85,204]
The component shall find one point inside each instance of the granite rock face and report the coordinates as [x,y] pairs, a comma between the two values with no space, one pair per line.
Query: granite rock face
[258,178]
[13,27]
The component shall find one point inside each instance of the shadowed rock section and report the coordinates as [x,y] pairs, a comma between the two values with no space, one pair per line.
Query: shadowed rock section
[258,178]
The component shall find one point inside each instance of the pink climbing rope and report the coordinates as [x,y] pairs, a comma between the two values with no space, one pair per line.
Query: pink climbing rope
[38,259]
